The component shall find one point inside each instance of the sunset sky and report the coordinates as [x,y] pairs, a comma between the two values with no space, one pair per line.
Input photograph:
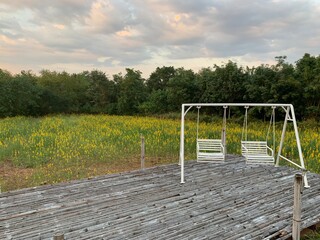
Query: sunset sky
[78,35]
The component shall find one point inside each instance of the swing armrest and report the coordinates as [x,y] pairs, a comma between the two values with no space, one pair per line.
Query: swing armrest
[244,149]
[223,149]
[271,150]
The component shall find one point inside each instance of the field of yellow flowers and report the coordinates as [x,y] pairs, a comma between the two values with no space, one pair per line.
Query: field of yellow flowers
[48,150]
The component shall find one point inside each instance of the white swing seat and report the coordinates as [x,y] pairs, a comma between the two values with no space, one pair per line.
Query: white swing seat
[210,150]
[257,152]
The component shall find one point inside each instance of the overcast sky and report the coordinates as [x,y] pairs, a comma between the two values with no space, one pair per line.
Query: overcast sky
[77,35]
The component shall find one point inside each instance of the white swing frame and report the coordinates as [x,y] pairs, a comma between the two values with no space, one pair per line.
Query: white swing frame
[290,116]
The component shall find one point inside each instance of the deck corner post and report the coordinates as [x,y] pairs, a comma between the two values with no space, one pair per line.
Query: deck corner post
[142,152]
[296,221]
[58,236]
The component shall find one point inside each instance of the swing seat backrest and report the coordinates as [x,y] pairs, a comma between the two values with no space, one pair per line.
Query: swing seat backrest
[210,150]
[254,147]
[257,152]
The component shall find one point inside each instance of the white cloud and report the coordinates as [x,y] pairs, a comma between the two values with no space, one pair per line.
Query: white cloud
[102,59]
[113,34]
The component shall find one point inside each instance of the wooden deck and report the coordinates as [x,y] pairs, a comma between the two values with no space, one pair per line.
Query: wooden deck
[229,200]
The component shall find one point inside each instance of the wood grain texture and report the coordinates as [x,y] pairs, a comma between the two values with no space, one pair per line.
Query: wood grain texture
[229,200]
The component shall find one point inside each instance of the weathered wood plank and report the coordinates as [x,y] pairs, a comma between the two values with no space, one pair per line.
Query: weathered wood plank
[229,200]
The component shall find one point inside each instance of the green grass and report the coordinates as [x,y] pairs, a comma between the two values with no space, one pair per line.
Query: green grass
[315,235]
[53,149]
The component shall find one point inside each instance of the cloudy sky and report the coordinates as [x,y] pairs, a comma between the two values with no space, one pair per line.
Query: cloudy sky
[111,35]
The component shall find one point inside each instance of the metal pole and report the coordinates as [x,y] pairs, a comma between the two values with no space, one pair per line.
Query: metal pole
[283,135]
[142,152]
[224,128]
[244,136]
[274,129]
[198,120]
[237,104]
[299,147]
[296,223]
[181,158]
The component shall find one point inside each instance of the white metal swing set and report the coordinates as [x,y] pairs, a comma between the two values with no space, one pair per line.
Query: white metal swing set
[255,152]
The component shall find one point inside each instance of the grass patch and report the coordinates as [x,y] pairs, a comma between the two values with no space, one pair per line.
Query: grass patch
[313,235]
[48,150]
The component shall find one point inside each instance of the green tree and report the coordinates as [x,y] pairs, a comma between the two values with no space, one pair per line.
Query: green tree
[286,87]
[101,92]
[63,92]
[159,79]
[223,83]
[308,72]
[206,79]
[19,94]
[132,92]
[157,84]
[156,103]
[182,88]
[260,84]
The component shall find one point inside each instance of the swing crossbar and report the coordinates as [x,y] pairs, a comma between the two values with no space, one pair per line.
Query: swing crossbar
[210,150]
[257,152]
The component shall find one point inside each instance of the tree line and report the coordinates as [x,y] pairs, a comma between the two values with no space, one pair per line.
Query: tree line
[52,92]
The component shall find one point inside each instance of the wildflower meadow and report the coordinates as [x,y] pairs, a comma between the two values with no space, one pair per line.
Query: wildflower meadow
[53,149]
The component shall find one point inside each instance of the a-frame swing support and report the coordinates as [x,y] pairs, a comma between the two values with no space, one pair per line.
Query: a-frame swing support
[290,116]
